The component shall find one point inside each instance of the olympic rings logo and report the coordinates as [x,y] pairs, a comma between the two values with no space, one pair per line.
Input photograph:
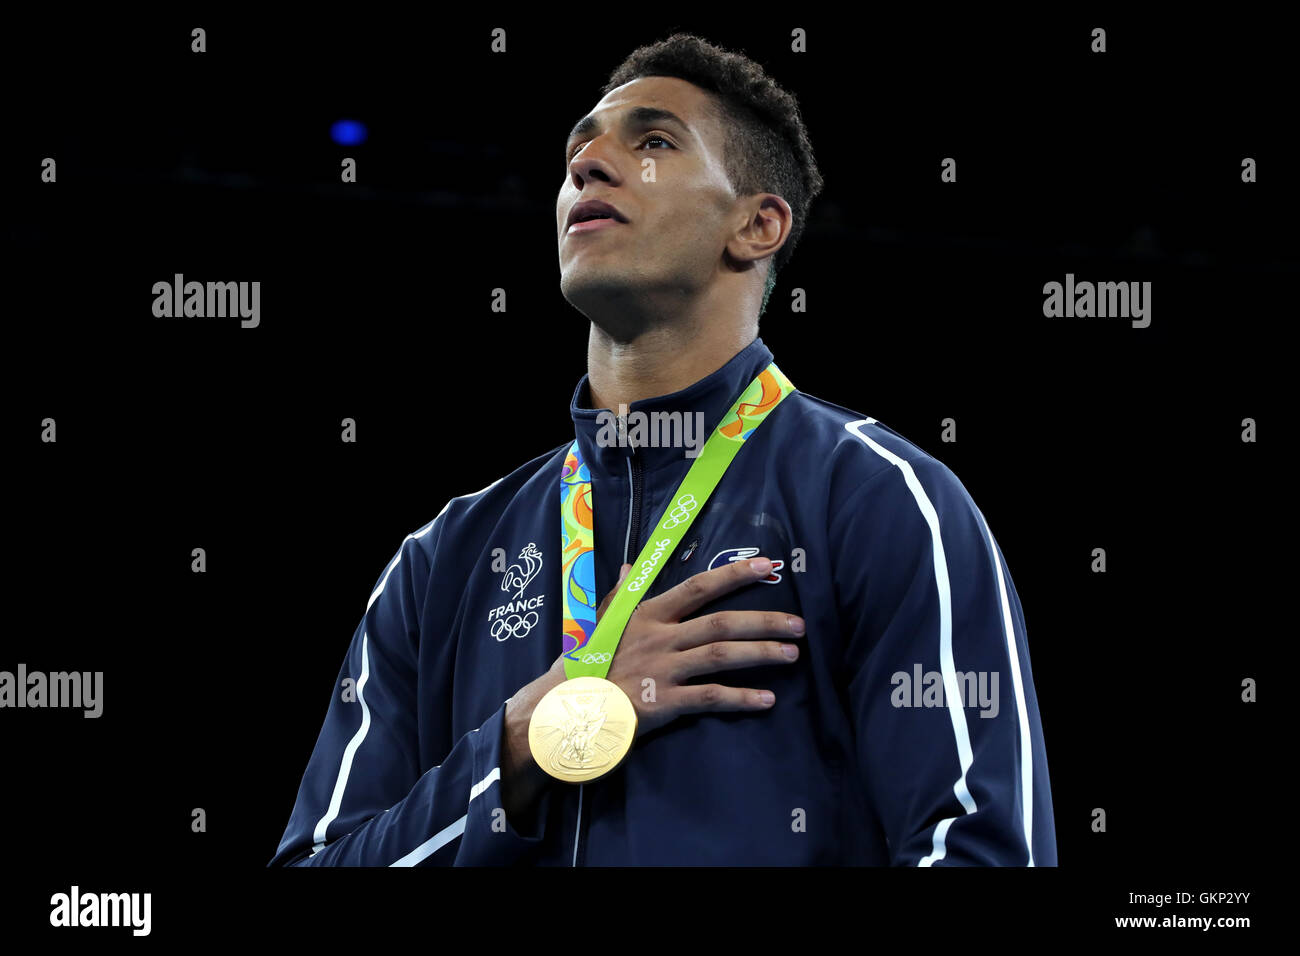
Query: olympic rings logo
[596,658]
[504,628]
[685,505]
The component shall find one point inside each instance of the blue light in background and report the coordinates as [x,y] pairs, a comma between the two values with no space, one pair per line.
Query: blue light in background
[347,132]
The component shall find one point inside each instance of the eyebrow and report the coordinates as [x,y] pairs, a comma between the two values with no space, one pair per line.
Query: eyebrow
[637,116]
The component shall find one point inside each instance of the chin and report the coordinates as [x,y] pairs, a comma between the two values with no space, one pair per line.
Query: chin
[587,287]
[607,299]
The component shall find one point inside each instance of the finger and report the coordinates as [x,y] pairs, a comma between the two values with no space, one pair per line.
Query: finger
[622,573]
[736,626]
[714,698]
[699,589]
[730,656]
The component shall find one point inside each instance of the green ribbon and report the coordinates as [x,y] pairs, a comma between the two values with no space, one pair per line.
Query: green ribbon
[749,411]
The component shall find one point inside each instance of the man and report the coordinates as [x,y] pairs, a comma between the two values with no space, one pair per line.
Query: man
[830,668]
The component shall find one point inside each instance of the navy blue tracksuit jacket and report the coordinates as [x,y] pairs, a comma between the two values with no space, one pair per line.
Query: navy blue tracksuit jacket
[906,733]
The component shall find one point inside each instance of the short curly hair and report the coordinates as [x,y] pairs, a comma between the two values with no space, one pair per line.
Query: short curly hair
[766,148]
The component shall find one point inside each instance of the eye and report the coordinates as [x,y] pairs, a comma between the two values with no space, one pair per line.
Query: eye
[653,136]
[647,138]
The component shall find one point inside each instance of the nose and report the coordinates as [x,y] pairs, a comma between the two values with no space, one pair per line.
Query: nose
[591,164]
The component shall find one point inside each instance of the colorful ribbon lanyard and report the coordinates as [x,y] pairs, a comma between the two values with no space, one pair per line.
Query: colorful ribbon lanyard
[588,646]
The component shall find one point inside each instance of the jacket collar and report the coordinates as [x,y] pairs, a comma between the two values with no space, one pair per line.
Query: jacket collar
[711,396]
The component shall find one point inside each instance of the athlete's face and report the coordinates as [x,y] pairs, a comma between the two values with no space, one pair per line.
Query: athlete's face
[675,214]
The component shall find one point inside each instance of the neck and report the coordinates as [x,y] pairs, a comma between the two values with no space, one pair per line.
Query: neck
[661,360]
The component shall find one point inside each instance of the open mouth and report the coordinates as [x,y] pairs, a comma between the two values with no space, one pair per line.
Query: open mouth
[590,225]
[591,214]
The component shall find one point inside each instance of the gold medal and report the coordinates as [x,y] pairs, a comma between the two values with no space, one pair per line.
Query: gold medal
[582,729]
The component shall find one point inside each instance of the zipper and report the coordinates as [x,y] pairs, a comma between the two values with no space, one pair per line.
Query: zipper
[634,519]
[578,833]
[635,483]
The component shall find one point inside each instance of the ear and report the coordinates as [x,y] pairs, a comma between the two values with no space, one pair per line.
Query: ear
[765,229]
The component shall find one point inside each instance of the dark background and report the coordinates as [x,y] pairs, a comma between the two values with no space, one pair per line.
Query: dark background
[925,302]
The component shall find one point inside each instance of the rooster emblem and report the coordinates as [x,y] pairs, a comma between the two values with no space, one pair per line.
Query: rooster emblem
[519,577]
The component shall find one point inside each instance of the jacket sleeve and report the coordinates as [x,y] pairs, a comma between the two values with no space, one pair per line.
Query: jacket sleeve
[940,688]
[364,799]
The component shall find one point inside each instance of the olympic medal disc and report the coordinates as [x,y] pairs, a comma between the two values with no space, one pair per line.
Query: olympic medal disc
[582,729]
